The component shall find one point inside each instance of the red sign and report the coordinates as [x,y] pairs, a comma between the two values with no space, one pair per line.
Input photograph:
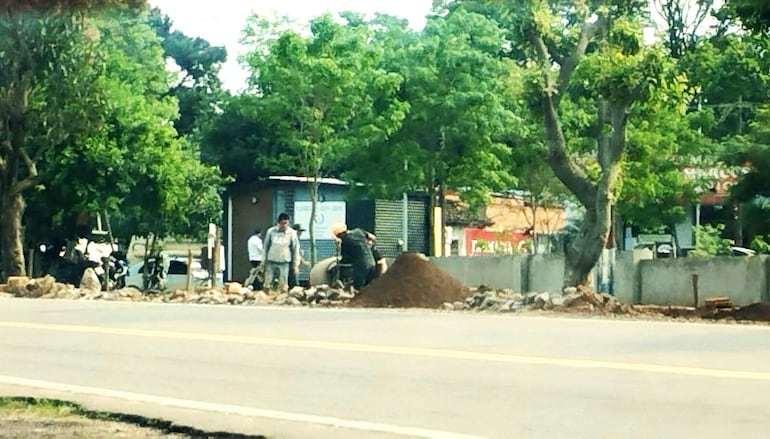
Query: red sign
[487,242]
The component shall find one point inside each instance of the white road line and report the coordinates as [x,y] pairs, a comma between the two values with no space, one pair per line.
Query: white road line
[401,350]
[237,410]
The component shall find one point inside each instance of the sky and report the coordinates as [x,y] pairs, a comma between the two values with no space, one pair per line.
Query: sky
[221,21]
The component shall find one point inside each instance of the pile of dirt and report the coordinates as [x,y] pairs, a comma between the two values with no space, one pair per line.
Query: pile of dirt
[412,282]
[757,312]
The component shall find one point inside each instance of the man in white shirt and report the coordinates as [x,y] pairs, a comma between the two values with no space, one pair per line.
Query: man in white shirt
[281,253]
[256,251]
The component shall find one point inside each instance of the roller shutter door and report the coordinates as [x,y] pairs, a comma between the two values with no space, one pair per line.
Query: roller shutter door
[388,225]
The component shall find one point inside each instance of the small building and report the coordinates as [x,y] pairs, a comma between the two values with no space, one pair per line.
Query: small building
[712,207]
[506,225]
[257,205]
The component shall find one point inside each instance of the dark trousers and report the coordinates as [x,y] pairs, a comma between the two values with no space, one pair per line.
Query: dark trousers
[292,278]
[254,280]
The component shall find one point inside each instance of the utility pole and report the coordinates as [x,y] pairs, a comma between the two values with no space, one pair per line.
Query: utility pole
[405,215]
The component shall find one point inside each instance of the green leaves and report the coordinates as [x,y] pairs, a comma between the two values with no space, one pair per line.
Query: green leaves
[323,93]
[754,14]
[709,241]
[129,161]
[457,87]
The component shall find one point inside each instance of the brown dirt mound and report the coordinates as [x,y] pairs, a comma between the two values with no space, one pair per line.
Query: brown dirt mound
[758,312]
[412,282]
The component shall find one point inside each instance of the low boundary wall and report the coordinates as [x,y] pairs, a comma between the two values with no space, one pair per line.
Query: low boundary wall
[635,277]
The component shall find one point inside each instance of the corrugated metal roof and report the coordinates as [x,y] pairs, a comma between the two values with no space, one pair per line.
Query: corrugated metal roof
[322,180]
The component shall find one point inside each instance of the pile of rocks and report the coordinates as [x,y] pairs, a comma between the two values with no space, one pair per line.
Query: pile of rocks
[232,294]
[480,299]
[235,294]
[570,300]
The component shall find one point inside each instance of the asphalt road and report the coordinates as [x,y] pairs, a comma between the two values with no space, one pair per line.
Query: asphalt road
[377,373]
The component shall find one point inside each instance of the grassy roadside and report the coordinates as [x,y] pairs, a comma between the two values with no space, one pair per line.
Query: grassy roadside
[22,417]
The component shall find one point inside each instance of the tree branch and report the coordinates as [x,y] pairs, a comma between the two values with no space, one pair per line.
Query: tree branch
[618,119]
[565,170]
[32,175]
[569,63]
[588,32]
[553,51]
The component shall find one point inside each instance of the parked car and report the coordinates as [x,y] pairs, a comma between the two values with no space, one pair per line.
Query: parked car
[175,273]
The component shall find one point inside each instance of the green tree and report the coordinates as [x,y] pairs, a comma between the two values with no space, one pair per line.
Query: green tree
[753,14]
[243,143]
[156,181]
[684,22]
[129,162]
[47,97]
[753,188]
[728,75]
[584,56]
[324,93]
[709,241]
[453,136]
[663,141]
[199,89]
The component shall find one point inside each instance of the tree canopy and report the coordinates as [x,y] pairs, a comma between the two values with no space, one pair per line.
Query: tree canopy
[555,100]
[88,129]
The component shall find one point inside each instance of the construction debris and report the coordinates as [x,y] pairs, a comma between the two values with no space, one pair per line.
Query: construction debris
[720,302]
[411,282]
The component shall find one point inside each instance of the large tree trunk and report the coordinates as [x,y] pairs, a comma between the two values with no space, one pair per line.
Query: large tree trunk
[597,198]
[311,226]
[11,240]
[12,154]
[585,252]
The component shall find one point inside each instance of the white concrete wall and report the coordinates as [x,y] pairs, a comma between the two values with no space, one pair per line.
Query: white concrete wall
[637,278]
[546,273]
[669,281]
[503,271]
[626,275]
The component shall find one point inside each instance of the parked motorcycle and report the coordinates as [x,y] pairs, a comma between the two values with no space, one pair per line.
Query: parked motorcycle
[154,275]
[116,271]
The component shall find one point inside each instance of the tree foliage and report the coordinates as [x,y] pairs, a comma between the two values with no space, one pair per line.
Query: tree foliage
[753,14]
[47,62]
[323,94]
[88,126]
[684,22]
[242,141]
[198,89]
[459,114]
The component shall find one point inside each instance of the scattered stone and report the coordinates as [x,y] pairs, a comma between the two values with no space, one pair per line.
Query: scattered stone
[492,303]
[90,281]
[529,298]
[483,298]
[233,288]
[297,293]
[543,301]
[509,306]
[17,281]
[571,298]
[293,301]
